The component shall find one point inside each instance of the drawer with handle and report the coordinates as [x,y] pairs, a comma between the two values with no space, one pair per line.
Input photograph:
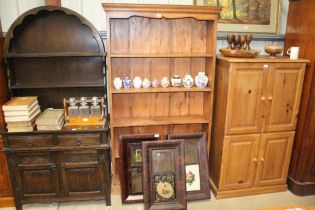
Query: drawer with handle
[79,140]
[30,141]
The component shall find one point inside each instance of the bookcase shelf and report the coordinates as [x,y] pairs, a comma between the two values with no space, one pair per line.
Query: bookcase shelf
[57,85]
[181,40]
[54,54]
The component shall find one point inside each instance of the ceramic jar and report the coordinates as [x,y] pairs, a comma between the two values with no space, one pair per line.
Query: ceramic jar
[165,82]
[126,82]
[155,83]
[201,80]
[176,81]
[137,82]
[188,81]
[146,83]
[117,83]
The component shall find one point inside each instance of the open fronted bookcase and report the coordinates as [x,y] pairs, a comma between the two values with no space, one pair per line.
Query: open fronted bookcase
[155,41]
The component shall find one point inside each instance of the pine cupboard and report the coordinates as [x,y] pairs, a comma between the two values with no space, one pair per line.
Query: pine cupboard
[255,113]
[156,41]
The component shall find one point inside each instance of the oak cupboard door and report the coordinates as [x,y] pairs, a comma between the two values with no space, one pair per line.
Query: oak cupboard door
[82,175]
[35,175]
[239,162]
[244,108]
[274,158]
[284,92]
[4,176]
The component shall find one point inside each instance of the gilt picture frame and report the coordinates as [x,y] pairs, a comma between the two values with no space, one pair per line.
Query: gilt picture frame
[248,16]
[196,165]
[163,175]
[130,173]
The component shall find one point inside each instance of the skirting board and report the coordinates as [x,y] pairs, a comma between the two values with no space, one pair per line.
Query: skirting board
[246,192]
[7,202]
[301,188]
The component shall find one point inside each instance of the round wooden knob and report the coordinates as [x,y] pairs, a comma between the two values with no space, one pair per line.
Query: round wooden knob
[255,160]
[270,98]
[262,159]
[263,98]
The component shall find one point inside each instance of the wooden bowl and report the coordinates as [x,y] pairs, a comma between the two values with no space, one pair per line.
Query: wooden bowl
[239,53]
[273,50]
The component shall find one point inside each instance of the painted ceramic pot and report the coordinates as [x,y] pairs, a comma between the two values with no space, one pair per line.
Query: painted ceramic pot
[155,83]
[117,83]
[126,82]
[137,82]
[201,80]
[146,83]
[176,81]
[188,81]
[165,82]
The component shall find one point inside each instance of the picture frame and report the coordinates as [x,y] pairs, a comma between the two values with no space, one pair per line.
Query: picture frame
[130,173]
[196,165]
[253,17]
[163,175]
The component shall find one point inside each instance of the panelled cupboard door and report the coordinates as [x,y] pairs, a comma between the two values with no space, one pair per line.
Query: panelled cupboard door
[274,158]
[239,162]
[36,174]
[82,173]
[285,81]
[4,176]
[244,108]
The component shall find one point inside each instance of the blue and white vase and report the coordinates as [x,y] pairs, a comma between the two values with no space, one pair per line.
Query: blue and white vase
[126,82]
[201,80]
[176,81]
[188,81]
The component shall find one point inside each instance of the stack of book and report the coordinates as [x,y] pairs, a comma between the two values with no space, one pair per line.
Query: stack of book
[20,113]
[50,119]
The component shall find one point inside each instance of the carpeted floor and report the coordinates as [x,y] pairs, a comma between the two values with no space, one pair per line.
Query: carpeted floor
[240,203]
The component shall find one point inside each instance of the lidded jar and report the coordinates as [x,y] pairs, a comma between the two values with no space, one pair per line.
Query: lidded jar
[165,82]
[188,81]
[146,83]
[126,82]
[137,82]
[201,80]
[117,83]
[176,81]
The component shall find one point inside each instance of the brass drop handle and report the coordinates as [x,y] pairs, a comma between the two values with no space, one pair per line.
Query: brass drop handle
[263,98]
[53,166]
[270,98]
[78,142]
[30,143]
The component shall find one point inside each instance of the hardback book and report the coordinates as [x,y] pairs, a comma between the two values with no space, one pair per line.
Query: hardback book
[50,117]
[22,123]
[50,127]
[22,112]
[20,103]
[21,129]
[22,117]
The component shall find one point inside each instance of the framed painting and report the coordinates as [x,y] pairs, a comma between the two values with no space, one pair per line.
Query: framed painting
[130,172]
[258,16]
[196,165]
[163,175]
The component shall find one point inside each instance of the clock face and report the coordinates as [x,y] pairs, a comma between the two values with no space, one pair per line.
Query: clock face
[165,190]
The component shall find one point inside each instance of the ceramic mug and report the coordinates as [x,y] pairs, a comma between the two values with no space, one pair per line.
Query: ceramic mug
[293,52]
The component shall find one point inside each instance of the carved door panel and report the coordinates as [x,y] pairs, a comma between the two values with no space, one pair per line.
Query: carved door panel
[5,189]
[244,108]
[35,175]
[82,173]
[274,158]
[284,92]
[239,161]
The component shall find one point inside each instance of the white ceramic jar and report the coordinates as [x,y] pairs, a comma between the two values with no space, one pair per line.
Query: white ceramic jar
[146,83]
[137,82]
[176,81]
[201,80]
[117,83]
[165,82]
[188,81]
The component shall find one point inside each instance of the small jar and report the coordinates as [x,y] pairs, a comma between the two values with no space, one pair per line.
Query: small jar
[126,82]
[188,81]
[137,82]
[146,83]
[117,83]
[201,80]
[155,83]
[165,82]
[176,81]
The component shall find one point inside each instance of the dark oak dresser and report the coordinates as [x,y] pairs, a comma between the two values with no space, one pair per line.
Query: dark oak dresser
[54,53]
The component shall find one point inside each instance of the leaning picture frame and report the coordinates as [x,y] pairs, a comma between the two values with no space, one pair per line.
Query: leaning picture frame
[250,16]
[163,175]
[130,173]
[196,165]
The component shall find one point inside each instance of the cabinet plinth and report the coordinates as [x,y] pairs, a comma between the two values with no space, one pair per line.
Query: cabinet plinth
[256,107]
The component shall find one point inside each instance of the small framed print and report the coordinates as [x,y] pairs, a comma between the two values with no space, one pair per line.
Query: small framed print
[196,165]
[131,166]
[163,175]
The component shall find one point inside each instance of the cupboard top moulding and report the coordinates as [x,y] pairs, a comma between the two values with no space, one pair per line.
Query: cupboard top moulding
[161,11]
[51,31]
